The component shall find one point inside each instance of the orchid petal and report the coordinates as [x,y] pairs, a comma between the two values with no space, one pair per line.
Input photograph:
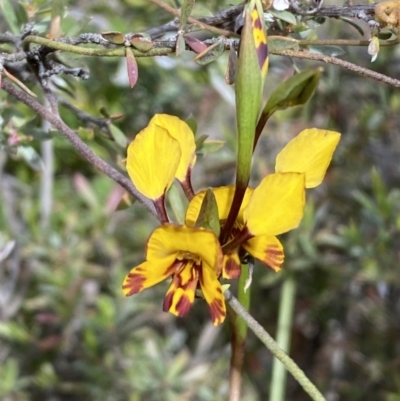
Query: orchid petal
[212,292]
[153,159]
[223,197]
[171,239]
[181,132]
[310,153]
[277,204]
[267,249]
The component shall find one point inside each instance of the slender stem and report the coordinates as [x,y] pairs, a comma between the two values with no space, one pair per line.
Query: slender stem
[270,343]
[238,339]
[342,63]
[78,144]
[90,51]
[193,21]
[285,320]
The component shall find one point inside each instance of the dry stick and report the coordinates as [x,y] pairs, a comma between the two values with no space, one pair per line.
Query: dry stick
[193,21]
[270,343]
[78,144]
[342,63]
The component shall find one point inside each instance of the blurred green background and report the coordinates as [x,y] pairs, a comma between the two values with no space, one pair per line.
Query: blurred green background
[66,330]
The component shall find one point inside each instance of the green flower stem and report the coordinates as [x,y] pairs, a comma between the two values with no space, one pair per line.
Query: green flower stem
[238,338]
[270,343]
[288,293]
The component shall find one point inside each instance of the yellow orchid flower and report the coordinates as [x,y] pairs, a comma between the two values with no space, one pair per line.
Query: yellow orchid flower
[260,219]
[276,205]
[162,151]
[192,257]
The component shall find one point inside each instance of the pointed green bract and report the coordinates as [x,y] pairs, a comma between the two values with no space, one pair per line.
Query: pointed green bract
[208,216]
[252,66]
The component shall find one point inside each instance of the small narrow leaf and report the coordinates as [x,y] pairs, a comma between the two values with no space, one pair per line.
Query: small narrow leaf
[332,51]
[195,44]
[284,16]
[116,38]
[186,9]
[118,136]
[231,68]
[294,91]
[208,215]
[9,15]
[192,123]
[211,53]
[180,45]
[132,67]
[279,43]
[31,157]
[141,42]
[353,24]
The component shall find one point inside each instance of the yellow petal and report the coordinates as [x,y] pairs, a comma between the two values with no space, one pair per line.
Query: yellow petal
[180,295]
[153,158]
[171,239]
[231,266]
[223,197]
[212,292]
[267,249]
[276,205]
[147,274]
[180,131]
[310,153]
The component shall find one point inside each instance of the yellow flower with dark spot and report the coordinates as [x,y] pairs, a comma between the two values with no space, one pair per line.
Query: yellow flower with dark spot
[276,205]
[191,257]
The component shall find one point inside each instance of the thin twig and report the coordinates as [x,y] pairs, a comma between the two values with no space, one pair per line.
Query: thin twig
[342,63]
[78,144]
[193,21]
[270,343]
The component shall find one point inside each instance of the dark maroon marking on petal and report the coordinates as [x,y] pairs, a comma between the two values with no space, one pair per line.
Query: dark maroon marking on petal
[232,268]
[274,257]
[216,309]
[183,306]
[168,301]
[135,284]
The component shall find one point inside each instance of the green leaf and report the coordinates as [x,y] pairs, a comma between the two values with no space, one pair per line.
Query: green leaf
[116,38]
[284,16]
[231,68]
[141,42]
[118,136]
[208,216]
[31,157]
[279,43]
[211,147]
[186,9]
[9,15]
[353,24]
[295,91]
[132,67]
[192,123]
[332,51]
[180,44]
[211,53]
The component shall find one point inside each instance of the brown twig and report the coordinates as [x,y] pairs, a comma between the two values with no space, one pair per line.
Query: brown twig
[78,144]
[342,63]
[193,21]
